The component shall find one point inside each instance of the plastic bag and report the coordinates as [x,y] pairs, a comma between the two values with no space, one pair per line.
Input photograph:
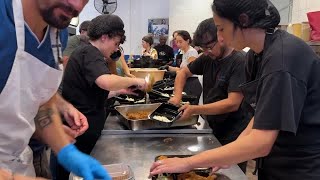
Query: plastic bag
[314,21]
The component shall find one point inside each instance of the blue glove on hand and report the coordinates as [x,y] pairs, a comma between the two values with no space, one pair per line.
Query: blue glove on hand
[81,164]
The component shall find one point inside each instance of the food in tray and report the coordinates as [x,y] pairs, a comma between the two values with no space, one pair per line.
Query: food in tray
[184,176]
[168,88]
[141,101]
[162,157]
[138,115]
[193,176]
[129,99]
[124,176]
[165,95]
[161,118]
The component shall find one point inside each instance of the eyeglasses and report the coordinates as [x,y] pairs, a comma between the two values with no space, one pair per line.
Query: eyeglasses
[209,46]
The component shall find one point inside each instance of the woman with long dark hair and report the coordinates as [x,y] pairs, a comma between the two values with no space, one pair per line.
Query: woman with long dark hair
[282,89]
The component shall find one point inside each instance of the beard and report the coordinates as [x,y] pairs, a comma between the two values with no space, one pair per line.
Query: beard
[58,21]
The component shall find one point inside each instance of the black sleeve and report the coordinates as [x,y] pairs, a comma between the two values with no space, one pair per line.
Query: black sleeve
[94,66]
[280,100]
[196,66]
[238,75]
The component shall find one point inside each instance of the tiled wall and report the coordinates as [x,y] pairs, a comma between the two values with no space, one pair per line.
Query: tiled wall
[301,7]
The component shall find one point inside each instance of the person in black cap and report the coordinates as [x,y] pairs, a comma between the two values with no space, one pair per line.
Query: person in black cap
[87,81]
[283,90]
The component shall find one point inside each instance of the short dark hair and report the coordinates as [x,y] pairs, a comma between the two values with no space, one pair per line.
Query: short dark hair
[84,26]
[261,13]
[148,39]
[106,24]
[206,33]
[185,35]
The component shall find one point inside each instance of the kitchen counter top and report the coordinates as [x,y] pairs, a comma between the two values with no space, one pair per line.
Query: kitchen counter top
[140,150]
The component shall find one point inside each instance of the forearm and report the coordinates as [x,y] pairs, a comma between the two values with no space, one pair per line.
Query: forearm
[248,147]
[61,104]
[179,84]
[49,126]
[219,107]
[125,67]
[173,68]
[115,83]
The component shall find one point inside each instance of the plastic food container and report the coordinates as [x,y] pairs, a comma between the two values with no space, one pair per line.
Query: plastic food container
[116,171]
[165,114]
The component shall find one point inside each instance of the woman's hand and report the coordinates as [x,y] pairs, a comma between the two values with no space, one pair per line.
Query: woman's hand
[170,165]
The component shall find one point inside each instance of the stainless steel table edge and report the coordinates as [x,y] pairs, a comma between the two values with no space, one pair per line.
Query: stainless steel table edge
[162,131]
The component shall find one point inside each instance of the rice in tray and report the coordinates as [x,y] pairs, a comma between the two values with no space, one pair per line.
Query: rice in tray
[161,118]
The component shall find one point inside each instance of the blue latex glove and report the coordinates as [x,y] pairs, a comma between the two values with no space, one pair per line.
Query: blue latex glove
[81,164]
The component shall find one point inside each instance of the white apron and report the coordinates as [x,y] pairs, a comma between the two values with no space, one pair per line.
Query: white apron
[31,83]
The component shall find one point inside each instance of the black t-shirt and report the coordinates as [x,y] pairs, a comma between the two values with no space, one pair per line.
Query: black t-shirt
[165,52]
[288,100]
[85,65]
[221,77]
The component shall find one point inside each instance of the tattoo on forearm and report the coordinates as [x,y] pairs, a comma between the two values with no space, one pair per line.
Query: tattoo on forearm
[43,118]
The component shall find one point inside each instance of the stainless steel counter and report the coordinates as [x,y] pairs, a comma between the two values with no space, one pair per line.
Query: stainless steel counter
[139,148]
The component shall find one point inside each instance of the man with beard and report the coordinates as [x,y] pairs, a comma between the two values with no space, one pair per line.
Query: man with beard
[29,79]
[223,71]
[165,52]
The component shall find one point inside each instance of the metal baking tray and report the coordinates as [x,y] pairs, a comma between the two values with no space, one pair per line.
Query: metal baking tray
[124,109]
[205,172]
[147,124]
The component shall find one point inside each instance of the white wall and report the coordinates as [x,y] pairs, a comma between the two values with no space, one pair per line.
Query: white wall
[135,15]
[284,8]
[301,7]
[187,14]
